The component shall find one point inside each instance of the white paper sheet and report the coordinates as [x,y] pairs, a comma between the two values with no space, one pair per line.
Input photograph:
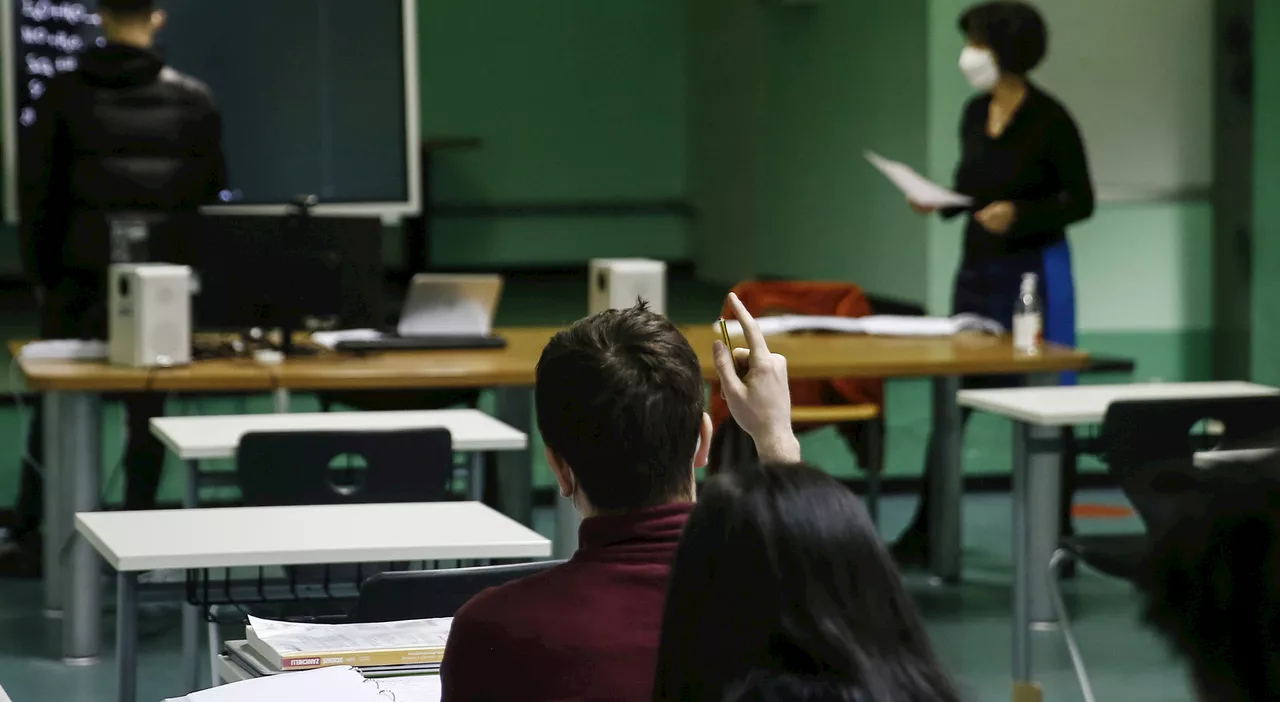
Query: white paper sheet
[413,688]
[916,187]
[289,637]
[321,685]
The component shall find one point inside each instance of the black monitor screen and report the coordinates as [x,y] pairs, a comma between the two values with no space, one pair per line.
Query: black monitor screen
[312,92]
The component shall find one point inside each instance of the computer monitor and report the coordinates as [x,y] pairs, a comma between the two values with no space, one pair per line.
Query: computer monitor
[290,273]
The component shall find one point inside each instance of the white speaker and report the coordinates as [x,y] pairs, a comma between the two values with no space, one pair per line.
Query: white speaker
[616,283]
[149,308]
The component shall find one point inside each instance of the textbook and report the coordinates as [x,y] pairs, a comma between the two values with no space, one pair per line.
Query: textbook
[290,646]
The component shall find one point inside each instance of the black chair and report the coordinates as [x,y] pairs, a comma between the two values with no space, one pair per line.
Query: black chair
[1149,449]
[296,468]
[429,594]
[340,467]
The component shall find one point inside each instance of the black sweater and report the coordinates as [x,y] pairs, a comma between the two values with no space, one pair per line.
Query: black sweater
[1038,163]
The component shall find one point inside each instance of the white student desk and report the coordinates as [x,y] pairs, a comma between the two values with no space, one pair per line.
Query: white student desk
[194,439]
[195,539]
[1039,413]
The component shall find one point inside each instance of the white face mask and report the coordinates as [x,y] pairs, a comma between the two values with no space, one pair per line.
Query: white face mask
[979,68]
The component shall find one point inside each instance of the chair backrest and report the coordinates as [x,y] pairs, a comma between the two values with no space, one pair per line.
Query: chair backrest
[429,594]
[1149,447]
[762,298]
[337,467]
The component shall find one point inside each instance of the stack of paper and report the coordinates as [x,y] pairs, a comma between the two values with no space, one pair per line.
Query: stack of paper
[290,646]
[876,325]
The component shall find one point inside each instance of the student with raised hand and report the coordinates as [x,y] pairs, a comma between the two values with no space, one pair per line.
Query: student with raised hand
[619,399]
[782,591]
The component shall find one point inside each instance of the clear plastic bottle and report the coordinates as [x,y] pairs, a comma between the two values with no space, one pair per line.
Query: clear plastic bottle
[1028,320]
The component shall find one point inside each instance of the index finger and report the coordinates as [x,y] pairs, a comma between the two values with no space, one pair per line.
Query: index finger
[751,330]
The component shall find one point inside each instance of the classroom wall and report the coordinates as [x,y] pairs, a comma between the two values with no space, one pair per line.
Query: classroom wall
[1142,270]
[575,100]
[783,102]
[1266,231]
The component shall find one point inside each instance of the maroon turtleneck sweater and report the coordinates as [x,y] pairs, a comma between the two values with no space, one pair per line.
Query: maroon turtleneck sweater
[584,630]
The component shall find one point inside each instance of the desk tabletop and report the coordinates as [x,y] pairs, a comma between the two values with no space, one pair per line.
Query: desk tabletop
[210,437]
[808,356]
[306,535]
[1087,404]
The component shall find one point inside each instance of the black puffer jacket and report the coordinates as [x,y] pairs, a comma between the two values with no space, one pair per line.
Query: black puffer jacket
[122,134]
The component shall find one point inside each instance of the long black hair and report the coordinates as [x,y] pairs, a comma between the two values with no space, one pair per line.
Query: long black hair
[780,575]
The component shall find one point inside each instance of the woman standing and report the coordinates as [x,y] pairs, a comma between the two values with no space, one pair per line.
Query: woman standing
[1023,163]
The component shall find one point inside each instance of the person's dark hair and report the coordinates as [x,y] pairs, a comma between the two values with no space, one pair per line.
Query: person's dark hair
[1014,31]
[1211,584]
[127,9]
[620,399]
[782,589]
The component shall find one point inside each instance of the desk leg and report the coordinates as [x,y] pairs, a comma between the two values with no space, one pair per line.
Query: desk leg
[1022,565]
[191,619]
[280,401]
[514,476]
[127,636]
[1044,510]
[475,476]
[79,420]
[55,520]
[947,487]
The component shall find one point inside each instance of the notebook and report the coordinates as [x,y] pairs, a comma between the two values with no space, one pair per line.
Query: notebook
[321,685]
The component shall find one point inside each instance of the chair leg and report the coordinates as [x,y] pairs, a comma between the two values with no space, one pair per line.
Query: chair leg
[215,646]
[1059,558]
[873,498]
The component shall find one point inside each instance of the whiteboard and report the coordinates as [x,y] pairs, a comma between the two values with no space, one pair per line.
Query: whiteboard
[1138,77]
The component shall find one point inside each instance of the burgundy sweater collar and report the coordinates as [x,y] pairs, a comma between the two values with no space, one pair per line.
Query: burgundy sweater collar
[655,525]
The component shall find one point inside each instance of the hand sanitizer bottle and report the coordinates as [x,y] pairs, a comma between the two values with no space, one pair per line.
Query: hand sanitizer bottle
[1028,322]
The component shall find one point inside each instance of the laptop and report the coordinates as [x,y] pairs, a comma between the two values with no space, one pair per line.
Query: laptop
[440,311]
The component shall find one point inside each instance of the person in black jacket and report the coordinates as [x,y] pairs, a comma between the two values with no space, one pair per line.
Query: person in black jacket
[1023,163]
[123,135]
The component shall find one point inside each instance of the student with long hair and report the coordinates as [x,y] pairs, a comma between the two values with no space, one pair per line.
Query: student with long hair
[782,590]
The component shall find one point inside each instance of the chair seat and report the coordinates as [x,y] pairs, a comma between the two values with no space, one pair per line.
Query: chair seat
[834,414]
[1117,555]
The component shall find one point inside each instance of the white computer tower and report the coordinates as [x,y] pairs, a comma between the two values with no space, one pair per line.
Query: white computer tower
[616,283]
[149,315]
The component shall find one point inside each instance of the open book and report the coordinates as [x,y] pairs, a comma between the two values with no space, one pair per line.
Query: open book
[292,646]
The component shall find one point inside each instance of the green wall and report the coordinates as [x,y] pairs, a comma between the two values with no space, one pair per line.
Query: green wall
[1266,230]
[783,101]
[575,100]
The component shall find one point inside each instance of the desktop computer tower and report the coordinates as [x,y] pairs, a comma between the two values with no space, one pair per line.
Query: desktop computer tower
[616,283]
[149,315]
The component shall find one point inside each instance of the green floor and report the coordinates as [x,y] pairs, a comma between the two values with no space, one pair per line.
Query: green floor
[969,623]
[554,300]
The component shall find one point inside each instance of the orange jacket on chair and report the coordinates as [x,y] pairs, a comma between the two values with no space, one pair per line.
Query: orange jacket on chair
[812,298]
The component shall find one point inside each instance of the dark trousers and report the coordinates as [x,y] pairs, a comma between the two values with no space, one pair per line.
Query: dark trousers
[76,308]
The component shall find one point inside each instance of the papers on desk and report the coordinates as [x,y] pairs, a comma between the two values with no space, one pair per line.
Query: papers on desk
[324,685]
[331,339]
[413,688]
[875,325]
[65,350]
[916,187]
[294,646]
